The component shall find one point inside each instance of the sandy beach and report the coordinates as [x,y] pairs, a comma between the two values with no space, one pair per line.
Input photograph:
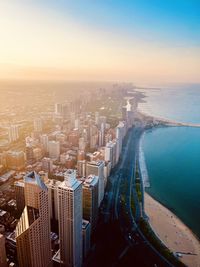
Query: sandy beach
[173,232]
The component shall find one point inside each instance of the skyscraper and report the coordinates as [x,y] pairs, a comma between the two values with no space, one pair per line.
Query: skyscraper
[111,152]
[90,200]
[120,133]
[97,168]
[33,228]
[70,220]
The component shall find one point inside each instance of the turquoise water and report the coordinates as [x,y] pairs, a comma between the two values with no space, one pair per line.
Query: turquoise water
[173,156]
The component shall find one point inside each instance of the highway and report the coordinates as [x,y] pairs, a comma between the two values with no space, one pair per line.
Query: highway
[118,241]
[139,246]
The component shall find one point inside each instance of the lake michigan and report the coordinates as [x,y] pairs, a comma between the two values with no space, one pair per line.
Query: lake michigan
[172,154]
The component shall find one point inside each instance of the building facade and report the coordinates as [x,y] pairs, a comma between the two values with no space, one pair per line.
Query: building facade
[33,228]
[70,220]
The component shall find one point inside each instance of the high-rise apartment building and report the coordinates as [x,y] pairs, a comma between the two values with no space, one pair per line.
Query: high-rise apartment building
[97,168]
[120,134]
[70,220]
[111,152]
[33,228]
[90,200]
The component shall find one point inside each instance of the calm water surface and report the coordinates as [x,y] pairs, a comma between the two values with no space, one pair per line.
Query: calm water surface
[173,153]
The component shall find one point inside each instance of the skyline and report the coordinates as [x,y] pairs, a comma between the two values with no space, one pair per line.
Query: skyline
[137,42]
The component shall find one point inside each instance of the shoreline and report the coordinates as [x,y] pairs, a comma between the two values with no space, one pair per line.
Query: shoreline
[142,163]
[172,231]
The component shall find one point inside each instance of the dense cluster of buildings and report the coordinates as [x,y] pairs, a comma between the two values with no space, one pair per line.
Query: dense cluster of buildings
[59,182]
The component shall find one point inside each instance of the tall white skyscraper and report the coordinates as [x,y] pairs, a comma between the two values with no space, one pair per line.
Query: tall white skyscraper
[111,152]
[120,133]
[70,220]
[33,229]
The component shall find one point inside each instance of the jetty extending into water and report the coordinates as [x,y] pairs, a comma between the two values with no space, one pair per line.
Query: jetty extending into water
[175,123]
[165,122]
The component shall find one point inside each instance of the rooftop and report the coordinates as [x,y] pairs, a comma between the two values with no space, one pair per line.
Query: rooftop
[91,180]
[2,212]
[95,163]
[70,181]
[56,257]
[19,183]
[85,224]
[33,177]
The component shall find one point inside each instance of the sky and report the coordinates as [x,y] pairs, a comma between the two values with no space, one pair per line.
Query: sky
[107,40]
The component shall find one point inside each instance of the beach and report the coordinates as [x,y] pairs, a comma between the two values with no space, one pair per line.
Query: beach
[173,232]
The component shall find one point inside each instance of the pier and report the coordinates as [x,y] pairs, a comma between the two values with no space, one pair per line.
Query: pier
[167,122]
[176,123]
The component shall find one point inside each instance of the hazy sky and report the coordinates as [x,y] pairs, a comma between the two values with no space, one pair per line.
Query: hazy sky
[136,40]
